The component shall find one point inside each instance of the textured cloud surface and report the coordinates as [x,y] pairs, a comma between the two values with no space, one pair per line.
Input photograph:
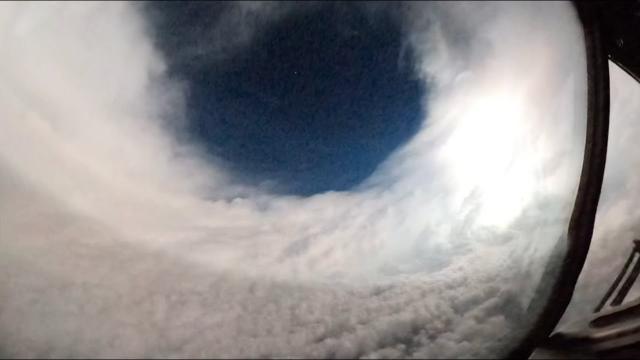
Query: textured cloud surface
[119,238]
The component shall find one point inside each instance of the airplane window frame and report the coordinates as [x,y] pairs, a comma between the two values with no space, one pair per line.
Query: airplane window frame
[564,274]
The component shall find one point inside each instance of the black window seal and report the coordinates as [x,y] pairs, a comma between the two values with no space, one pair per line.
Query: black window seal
[560,277]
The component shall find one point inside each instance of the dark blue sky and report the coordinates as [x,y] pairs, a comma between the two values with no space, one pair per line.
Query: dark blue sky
[314,103]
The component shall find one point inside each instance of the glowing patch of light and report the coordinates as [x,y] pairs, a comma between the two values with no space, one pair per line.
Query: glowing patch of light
[492,157]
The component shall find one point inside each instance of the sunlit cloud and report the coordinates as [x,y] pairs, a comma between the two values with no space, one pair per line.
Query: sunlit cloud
[139,244]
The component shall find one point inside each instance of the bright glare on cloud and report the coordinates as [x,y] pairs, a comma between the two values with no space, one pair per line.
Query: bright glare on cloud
[118,237]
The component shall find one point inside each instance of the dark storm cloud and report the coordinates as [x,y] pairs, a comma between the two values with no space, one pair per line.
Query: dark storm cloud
[229,27]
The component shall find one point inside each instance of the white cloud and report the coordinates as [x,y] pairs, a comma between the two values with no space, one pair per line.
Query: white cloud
[118,239]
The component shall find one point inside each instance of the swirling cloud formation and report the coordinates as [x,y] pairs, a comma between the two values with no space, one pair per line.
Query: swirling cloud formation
[118,237]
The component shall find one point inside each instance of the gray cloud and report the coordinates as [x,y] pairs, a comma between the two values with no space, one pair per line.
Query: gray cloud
[231,27]
[119,239]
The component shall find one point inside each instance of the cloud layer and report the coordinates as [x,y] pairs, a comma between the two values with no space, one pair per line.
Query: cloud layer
[119,238]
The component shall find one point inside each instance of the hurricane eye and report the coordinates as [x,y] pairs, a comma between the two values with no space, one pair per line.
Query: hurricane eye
[310,102]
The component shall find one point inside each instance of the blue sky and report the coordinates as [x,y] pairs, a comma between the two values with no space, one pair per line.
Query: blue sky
[312,104]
